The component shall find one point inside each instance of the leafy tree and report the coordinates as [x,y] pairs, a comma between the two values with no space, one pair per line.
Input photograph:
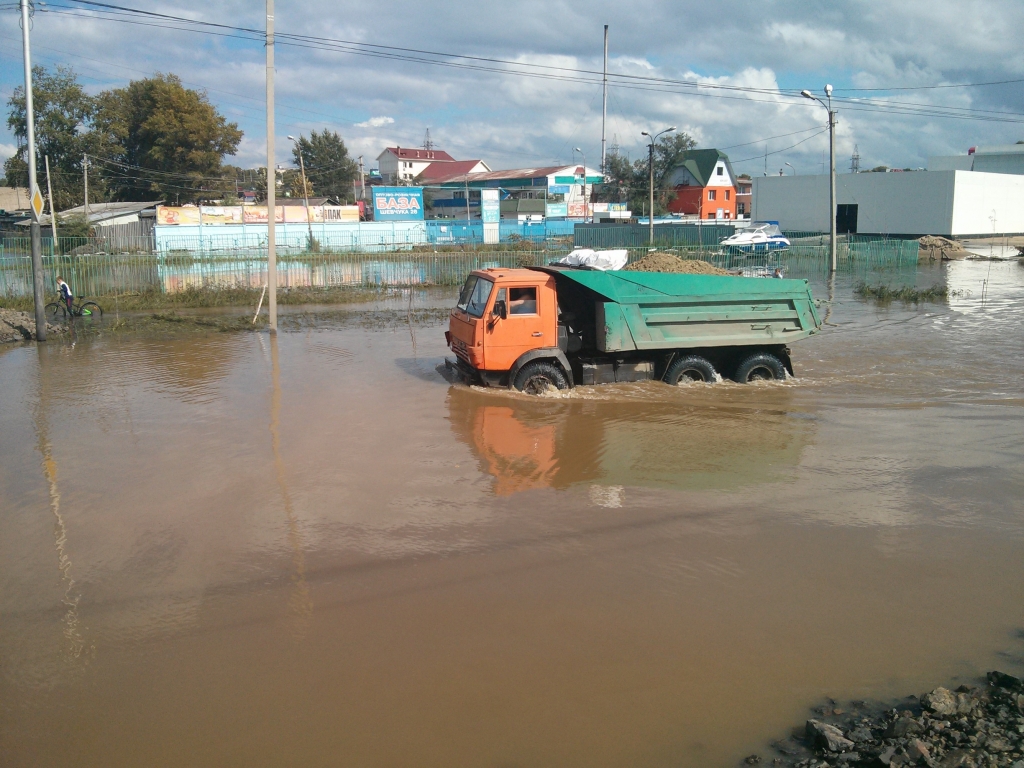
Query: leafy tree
[329,169]
[166,141]
[63,122]
[630,182]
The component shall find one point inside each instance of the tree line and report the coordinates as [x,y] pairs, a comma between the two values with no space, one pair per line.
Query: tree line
[153,139]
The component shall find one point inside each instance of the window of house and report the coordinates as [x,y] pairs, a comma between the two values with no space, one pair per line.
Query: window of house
[711,194]
[720,170]
[522,301]
[727,193]
[711,215]
[741,208]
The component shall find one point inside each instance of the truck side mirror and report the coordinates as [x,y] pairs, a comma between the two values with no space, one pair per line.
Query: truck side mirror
[500,309]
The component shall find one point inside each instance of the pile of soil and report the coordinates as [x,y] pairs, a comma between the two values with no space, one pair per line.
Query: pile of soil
[934,248]
[666,262]
[21,326]
[971,727]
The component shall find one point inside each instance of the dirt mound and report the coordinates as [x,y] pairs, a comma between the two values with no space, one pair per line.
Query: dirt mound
[667,262]
[940,248]
[21,326]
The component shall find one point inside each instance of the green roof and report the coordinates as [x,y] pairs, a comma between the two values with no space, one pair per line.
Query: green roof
[701,164]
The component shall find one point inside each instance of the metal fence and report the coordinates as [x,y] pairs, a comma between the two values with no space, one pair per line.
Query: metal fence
[103,274]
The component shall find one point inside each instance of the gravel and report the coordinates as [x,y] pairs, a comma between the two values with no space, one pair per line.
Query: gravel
[970,727]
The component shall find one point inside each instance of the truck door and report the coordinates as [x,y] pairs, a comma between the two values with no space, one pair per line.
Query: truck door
[523,328]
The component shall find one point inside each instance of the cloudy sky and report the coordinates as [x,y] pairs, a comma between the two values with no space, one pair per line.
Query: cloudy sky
[884,60]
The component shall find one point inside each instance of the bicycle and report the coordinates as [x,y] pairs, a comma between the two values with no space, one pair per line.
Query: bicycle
[86,309]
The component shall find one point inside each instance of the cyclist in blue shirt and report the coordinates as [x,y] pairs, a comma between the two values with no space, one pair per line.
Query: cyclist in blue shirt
[65,292]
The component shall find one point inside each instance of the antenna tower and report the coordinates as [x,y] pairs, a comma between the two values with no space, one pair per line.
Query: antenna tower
[427,143]
[855,160]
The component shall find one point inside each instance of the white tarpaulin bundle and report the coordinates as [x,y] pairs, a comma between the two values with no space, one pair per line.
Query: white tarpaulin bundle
[603,260]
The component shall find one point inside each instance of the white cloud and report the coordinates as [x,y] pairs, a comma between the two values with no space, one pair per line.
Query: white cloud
[6,151]
[375,122]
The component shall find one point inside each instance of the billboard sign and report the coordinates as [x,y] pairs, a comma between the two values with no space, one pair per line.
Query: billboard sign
[398,203]
[556,210]
[490,206]
[558,189]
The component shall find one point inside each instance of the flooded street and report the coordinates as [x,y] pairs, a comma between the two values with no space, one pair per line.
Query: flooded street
[315,550]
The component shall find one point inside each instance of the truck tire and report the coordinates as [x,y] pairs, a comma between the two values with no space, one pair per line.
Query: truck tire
[534,378]
[760,366]
[688,369]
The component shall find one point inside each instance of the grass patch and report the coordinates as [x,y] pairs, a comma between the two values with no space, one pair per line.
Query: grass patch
[908,295]
[198,298]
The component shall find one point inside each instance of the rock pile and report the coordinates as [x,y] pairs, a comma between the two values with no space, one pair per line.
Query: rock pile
[21,326]
[657,261]
[971,727]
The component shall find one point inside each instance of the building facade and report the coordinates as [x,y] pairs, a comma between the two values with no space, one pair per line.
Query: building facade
[950,203]
[704,185]
[402,164]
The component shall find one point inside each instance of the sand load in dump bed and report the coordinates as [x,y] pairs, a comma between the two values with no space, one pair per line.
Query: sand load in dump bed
[657,261]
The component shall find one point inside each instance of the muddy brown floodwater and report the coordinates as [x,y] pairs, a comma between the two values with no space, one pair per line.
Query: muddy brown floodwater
[314,550]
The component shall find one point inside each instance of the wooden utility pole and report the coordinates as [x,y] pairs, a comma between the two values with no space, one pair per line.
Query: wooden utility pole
[53,213]
[35,199]
[271,176]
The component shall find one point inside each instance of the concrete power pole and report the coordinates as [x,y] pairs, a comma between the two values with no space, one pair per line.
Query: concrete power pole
[604,100]
[271,176]
[85,183]
[36,204]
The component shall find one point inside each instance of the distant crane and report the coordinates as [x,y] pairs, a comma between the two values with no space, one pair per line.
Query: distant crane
[855,160]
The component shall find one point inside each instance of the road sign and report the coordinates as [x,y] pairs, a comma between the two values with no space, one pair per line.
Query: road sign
[37,204]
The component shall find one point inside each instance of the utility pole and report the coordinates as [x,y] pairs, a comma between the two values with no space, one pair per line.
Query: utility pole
[832,169]
[467,206]
[271,176]
[604,100]
[53,213]
[34,196]
[85,181]
[362,180]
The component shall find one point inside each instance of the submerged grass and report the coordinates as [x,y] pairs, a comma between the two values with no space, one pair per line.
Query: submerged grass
[198,298]
[907,294]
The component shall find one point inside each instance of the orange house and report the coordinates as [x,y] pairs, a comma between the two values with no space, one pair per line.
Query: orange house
[704,185]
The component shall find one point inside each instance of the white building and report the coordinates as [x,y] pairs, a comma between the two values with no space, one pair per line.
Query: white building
[950,203]
[1008,158]
[398,164]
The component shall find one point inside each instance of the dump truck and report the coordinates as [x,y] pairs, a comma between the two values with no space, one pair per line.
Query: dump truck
[557,327]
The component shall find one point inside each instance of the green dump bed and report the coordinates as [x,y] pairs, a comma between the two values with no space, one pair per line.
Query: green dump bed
[659,310]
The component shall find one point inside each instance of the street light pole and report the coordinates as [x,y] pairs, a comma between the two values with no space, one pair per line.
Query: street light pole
[650,162]
[305,191]
[831,169]
[30,131]
[792,168]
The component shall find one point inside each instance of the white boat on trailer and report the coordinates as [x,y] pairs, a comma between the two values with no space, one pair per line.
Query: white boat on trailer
[760,236]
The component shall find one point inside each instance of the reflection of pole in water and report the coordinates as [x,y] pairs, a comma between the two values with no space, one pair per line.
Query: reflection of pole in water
[70,599]
[831,298]
[300,604]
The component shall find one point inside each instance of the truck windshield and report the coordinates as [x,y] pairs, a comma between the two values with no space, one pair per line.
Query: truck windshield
[475,293]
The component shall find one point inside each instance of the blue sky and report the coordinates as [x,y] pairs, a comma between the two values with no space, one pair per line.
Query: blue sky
[512,121]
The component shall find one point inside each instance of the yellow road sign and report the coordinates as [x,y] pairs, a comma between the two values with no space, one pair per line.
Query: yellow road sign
[37,204]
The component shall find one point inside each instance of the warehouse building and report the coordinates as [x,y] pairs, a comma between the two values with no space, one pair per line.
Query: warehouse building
[953,203]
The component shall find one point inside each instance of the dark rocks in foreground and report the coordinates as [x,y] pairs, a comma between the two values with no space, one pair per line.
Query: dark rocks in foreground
[971,727]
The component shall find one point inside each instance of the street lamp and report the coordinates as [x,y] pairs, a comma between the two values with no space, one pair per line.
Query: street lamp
[791,167]
[650,148]
[305,193]
[586,206]
[832,167]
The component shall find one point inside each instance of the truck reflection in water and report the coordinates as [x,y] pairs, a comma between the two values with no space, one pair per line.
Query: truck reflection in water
[718,439]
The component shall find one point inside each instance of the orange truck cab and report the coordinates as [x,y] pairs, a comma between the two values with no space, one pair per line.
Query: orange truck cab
[505,320]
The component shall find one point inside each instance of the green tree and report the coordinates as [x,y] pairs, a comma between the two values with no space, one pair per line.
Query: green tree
[629,182]
[329,169]
[166,141]
[63,124]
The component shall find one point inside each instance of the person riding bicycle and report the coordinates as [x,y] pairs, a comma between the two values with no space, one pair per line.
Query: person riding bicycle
[65,292]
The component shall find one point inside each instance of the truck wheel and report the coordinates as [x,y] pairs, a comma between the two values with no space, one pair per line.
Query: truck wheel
[690,368]
[761,366]
[534,378]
